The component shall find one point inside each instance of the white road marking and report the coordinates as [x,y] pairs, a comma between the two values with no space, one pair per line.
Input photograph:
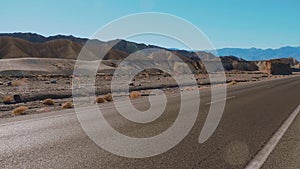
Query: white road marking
[265,152]
[227,98]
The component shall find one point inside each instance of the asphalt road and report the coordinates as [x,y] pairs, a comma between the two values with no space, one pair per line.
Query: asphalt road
[252,114]
[286,155]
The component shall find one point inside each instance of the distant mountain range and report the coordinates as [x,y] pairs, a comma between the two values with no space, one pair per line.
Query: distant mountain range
[29,45]
[15,45]
[261,54]
[23,45]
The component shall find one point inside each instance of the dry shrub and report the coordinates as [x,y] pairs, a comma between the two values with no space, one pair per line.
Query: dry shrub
[108,97]
[134,94]
[67,105]
[191,88]
[19,110]
[7,99]
[48,102]
[100,100]
[233,82]
[107,78]
[19,82]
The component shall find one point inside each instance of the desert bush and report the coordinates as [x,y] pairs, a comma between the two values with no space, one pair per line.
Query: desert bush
[233,82]
[108,97]
[67,105]
[48,102]
[100,100]
[16,83]
[7,99]
[134,94]
[19,110]
[19,82]
[107,78]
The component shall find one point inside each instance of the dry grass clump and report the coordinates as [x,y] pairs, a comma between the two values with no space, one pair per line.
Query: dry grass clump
[108,97]
[105,98]
[100,100]
[19,110]
[19,82]
[107,78]
[191,88]
[134,94]
[48,102]
[67,105]
[7,99]
[233,82]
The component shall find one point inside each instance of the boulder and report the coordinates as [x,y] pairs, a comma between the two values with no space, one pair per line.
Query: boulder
[278,68]
[275,67]
[17,98]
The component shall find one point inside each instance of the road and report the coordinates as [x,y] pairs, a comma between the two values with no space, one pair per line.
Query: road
[252,114]
[286,155]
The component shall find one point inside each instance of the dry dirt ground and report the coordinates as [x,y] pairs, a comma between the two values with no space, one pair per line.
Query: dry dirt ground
[32,91]
[30,81]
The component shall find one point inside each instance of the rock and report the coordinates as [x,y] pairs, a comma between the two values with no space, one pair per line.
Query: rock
[53,81]
[244,66]
[280,69]
[275,67]
[1,83]
[17,98]
[9,83]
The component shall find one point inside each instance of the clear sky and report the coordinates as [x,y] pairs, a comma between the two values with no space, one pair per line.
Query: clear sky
[227,23]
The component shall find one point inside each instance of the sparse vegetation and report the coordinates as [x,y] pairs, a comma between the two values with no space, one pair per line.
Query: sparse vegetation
[100,100]
[233,82]
[108,97]
[105,98]
[19,82]
[67,105]
[7,99]
[107,78]
[134,95]
[19,110]
[48,102]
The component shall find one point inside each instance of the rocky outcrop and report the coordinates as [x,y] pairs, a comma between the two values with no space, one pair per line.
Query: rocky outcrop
[278,68]
[234,63]
[275,67]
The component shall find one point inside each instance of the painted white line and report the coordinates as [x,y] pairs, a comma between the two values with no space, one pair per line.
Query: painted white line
[264,153]
[227,98]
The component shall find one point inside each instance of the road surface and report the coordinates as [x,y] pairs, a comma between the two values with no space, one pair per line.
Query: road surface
[252,114]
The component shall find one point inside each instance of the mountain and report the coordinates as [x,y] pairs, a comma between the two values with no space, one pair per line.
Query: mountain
[29,45]
[11,47]
[20,45]
[36,38]
[261,54]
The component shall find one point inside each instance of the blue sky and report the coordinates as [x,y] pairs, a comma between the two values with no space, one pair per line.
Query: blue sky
[227,23]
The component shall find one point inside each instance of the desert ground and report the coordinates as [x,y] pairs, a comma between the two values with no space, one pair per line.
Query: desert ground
[44,85]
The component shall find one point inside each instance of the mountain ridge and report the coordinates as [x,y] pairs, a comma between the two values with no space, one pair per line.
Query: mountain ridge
[261,54]
[250,54]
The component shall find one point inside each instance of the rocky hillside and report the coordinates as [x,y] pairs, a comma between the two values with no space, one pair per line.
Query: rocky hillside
[25,45]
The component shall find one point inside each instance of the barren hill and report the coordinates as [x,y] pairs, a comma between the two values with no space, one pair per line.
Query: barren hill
[59,48]
[28,45]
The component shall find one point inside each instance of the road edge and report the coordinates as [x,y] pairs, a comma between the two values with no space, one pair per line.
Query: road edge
[263,154]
